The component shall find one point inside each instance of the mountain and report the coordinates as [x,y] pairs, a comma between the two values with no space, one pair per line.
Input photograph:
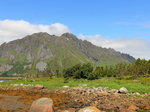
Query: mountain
[41,50]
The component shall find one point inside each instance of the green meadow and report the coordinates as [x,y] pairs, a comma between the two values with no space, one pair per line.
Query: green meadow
[141,85]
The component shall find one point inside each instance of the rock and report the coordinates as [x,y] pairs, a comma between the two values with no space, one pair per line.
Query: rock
[116,94]
[123,90]
[138,94]
[133,107]
[82,85]
[4,110]
[41,66]
[65,86]
[127,110]
[42,105]
[104,93]
[69,110]
[39,86]
[44,53]
[5,67]
[89,109]
[113,91]
[29,57]
[147,107]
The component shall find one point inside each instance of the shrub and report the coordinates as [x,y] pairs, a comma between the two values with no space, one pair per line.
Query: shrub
[79,71]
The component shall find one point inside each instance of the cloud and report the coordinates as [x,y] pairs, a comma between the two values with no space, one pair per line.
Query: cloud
[15,29]
[136,47]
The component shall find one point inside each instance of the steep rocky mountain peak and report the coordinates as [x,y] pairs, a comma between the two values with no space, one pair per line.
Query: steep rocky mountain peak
[69,36]
[40,51]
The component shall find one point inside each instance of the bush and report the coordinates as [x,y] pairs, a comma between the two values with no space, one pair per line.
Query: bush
[79,71]
[85,71]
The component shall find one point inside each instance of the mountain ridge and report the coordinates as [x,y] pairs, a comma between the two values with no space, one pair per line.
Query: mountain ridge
[39,51]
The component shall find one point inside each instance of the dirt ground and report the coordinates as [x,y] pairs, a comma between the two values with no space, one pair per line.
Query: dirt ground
[20,100]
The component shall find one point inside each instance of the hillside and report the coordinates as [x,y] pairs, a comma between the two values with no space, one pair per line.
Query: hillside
[39,51]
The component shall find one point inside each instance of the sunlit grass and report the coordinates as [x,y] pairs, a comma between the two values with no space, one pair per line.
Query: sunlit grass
[141,85]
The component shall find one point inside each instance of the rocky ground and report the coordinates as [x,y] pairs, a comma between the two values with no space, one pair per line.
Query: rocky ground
[19,99]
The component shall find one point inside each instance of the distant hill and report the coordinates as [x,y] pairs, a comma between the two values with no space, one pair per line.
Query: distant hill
[41,50]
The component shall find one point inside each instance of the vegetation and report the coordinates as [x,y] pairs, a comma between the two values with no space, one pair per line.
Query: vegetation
[4,60]
[139,68]
[141,85]
[135,77]
[79,71]
[58,52]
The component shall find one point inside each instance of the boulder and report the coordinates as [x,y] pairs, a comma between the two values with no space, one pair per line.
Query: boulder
[133,108]
[69,110]
[123,90]
[89,109]
[39,86]
[65,86]
[42,105]
[137,94]
[127,110]
[113,91]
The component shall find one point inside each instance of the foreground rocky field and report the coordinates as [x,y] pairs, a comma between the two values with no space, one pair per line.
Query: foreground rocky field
[19,99]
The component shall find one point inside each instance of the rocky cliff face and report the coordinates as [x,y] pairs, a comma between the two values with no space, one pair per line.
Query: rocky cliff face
[41,50]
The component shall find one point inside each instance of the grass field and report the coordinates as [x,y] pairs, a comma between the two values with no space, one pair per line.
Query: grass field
[141,85]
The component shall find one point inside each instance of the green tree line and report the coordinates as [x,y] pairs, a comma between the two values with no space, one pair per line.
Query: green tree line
[139,68]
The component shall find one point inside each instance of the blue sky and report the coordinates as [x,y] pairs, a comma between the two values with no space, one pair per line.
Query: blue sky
[111,19]
[84,16]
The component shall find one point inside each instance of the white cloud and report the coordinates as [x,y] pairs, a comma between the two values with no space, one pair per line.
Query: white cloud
[136,47]
[15,29]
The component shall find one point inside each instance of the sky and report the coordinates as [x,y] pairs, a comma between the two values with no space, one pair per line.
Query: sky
[120,24]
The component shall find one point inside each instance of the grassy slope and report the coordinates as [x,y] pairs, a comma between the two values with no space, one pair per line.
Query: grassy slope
[65,52]
[65,56]
[4,61]
[141,85]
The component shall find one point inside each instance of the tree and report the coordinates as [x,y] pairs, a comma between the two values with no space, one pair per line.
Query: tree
[70,72]
[79,71]
[121,69]
[84,71]
[48,73]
